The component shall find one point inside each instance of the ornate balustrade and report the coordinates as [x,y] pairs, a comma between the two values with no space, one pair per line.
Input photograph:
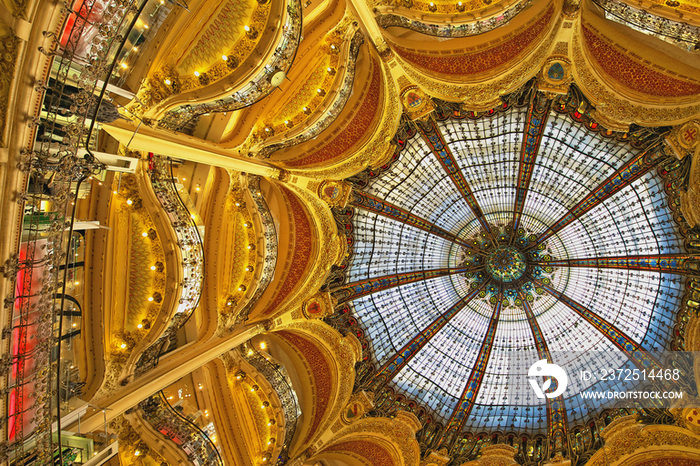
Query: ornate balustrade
[332,112]
[173,425]
[269,235]
[259,87]
[679,34]
[277,376]
[65,123]
[451,30]
[192,251]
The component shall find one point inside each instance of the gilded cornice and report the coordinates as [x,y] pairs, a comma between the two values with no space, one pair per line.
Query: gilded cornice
[456,63]
[9,50]
[617,108]
[377,147]
[329,249]
[625,436]
[344,357]
[485,94]
[398,431]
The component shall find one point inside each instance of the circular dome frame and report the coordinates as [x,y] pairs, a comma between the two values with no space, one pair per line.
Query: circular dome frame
[373,376]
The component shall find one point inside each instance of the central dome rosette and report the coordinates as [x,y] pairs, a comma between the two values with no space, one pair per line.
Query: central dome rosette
[492,238]
[506,264]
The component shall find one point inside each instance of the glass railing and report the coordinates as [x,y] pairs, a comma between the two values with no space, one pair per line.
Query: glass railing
[45,311]
[191,248]
[259,87]
[277,377]
[170,422]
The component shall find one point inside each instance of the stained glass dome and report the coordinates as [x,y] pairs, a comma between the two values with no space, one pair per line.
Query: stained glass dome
[525,229]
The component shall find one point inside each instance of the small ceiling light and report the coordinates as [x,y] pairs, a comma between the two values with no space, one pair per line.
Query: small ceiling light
[246,28]
[145,26]
[77,283]
[137,453]
[224,57]
[150,299]
[196,73]
[153,267]
[168,82]
[139,326]
[135,49]
[125,66]
[144,234]
[122,346]
[263,345]
[198,187]
[129,201]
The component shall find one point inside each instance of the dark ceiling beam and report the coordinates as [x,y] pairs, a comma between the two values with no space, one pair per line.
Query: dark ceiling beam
[679,264]
[622,341]
[363,200]
[441,150]
[471,389]
[557,422]
[635,168]
[393,366]
[534,129]
[372,285]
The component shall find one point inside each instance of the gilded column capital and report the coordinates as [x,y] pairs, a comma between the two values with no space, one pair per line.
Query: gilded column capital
[495,455]
[436,458]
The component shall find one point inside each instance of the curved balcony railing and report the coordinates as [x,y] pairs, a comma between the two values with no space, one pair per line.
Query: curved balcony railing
[259,87]
[192,250]
[450,30]
[269,234]
[332,112]
[679,34]
[278,378]
[173,425]
[83,59]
